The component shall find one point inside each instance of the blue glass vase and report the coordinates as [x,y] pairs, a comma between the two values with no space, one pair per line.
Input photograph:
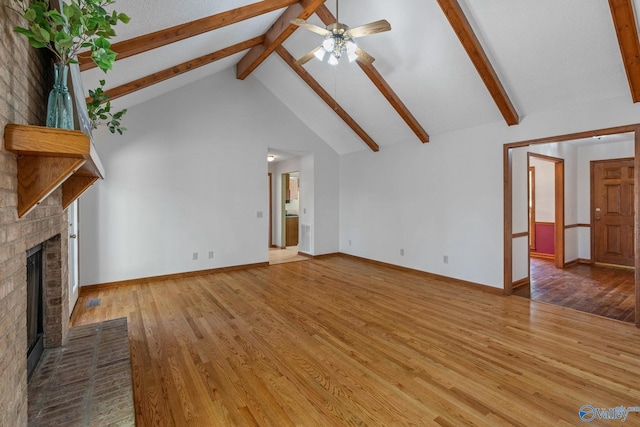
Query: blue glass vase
[59,107]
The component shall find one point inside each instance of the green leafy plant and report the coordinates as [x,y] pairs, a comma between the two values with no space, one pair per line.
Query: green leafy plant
[99,109]
[83,25]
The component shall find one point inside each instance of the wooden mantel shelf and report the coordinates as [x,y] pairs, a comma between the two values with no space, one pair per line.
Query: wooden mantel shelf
[49,158]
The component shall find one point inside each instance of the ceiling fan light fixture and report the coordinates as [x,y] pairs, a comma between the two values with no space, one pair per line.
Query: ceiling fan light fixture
[339,40]
[328,44]
[351,48]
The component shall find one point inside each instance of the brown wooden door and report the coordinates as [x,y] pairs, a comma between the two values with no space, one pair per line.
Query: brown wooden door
[613,212]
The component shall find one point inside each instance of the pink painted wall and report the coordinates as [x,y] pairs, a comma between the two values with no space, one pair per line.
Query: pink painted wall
[545,237]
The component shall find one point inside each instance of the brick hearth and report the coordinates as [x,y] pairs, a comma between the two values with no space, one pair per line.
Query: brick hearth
[87,381]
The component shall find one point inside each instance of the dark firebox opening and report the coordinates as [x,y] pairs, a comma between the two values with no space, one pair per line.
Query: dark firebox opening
[35,308]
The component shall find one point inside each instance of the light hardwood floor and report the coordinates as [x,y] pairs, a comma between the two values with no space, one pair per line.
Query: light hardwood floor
[338,341]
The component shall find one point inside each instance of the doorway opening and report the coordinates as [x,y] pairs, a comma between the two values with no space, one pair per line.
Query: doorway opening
[288,233]
[546,207]
[572,277]
[289,221]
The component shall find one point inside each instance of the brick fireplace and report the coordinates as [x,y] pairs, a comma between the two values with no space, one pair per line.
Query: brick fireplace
[54,292]
[23,92]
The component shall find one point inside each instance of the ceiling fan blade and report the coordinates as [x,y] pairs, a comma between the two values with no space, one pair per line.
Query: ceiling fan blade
[371,28]
[311,27]
[364,56]
[308,56]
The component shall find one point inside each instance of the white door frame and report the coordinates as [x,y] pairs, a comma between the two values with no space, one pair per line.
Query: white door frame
[72,221]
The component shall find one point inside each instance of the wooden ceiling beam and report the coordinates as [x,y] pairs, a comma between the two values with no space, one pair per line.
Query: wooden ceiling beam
[324,95]
[166,74]
[394,100]
[180,32]
[471,44]
[627,32]
[327,18]
[276,35]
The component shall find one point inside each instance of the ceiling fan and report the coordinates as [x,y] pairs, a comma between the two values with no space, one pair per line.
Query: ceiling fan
[339,40]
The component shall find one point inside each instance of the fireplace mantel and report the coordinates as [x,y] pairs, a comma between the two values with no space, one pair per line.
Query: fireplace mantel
[49,158]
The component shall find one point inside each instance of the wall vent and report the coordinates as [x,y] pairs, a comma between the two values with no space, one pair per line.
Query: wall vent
[304,244]
[94,302]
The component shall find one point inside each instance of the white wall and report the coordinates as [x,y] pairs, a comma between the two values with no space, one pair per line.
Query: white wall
[446,197]
[545,189]
[316,207]
[437,199]
[190,175]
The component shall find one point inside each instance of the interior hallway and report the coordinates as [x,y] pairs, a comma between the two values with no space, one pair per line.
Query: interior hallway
[604,291]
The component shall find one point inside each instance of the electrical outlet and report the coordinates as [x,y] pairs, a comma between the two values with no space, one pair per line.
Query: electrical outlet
[210,254]
[259,214]
[401,252]
[445,259]
[195,256]
[349,242]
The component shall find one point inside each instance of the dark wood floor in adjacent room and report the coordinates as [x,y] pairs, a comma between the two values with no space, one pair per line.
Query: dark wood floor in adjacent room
[339,341]
[601,290]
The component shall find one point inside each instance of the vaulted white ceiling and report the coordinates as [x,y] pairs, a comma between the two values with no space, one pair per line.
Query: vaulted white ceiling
[548,54]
